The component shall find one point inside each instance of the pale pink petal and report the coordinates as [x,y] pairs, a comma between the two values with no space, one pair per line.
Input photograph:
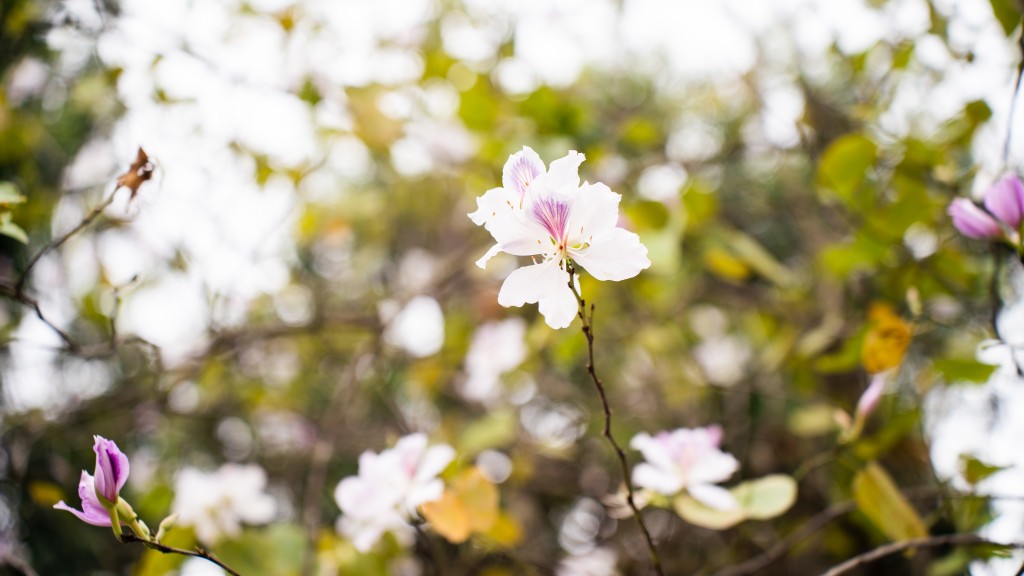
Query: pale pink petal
[521,169]
[655,450]
[972,221]
[434,461]
[652,478]
[1005,200]
[423,493]
[869,399]
[616,255]
[713,466]
[713,496]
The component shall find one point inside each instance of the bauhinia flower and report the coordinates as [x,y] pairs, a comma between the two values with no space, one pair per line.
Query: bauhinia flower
[92,511]
[999,220]
[686,460]
[100,494]
[548,215]
[388,489]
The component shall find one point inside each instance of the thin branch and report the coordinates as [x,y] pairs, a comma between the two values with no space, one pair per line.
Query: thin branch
[198,552]
[929,542]
[20,286]
[816,523]
[15,293]
[588,331]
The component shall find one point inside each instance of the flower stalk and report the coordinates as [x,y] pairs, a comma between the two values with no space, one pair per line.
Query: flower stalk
[586,317]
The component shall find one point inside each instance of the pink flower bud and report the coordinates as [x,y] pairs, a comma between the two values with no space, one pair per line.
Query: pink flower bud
[870,398]
[1005,200]
[111,469]
[972,221]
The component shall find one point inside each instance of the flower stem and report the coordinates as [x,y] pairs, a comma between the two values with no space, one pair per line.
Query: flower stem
[196,553]
[587,319]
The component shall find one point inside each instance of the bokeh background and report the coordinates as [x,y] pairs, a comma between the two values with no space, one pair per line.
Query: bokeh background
[296,284]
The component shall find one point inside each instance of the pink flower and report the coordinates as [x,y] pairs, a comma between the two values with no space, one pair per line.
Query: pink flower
[686,459]
[92,511]
[1005,200]
[972,221]
[101,493]
[111,469]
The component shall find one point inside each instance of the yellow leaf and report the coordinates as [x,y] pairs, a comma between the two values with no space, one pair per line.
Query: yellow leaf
[45,494]
[470,505]
[505,531]
[726,266]
[448,516]
[880,500]
[886,341]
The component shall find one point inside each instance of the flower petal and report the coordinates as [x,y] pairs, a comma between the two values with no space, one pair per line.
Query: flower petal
[713,496]
[490,204]
[88,516]
[1005,200]
[529,284]
[972,221]
[111,468]
[564,172]
[652,478]
[713,466]
[616,255]
[560,307]
[594,212]
[521,169]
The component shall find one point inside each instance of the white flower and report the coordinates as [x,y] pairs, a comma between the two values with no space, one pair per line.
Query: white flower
[216,504]
[550,215]
[496,348]
[389,487]
[597,562]
[686,459]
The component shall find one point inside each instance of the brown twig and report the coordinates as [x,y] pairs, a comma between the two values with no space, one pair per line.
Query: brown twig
[929,542]
[19,287]
[198,552]
[588,331]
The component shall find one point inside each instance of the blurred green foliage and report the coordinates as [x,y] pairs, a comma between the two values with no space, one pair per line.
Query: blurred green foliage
[780,250]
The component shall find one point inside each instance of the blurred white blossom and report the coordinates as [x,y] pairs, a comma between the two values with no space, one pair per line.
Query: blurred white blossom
[596,562]
[389,487]
[686,459]
[496,348]
[216,504]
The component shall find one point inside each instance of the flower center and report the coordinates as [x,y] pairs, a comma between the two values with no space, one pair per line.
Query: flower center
[554,217]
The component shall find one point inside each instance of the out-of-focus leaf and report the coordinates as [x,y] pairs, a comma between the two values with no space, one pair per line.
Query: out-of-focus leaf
[698,514]
[277,549]
[963,370]
[1007,12]
[45,494]
[879,498]
[886,340]
[766,497]
[470,505]
[974,470]
[812,420]
[758,499]
[721,263]
[9,194]
[648,214]
[505,531]
[845,164]
[758,258]
[10,229]
[492,431]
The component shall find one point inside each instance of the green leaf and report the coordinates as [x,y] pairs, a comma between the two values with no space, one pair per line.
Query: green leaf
[963,370]
[759,499]
[975,470]
[1007,12]
[766,497]
[494,430]
[880,500]
[12,230]
[9,194]
[698,514]
[845,165]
